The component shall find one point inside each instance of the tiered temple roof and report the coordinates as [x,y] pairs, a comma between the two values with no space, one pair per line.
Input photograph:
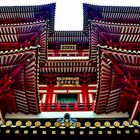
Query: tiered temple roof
[116,68]
[69,37]
[20,35]
[68,55]
[120,35]
[19,80]
[117,35]
[120,14]
[22,14]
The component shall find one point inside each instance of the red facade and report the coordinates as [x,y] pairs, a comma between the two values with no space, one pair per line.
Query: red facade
[68,70]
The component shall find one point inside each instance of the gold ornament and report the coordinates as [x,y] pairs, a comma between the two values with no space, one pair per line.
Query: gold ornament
[18,123]
[66,120]
[97,124]
[135,123]
[28,123]
[107,124]
[67,124]
[78,124]
[126,123]
[116,124]
[8,123]
[57,124]
[48,124]
[37,123]
[87,124]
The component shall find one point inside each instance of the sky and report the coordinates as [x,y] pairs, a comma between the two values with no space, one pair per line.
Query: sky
[69,13]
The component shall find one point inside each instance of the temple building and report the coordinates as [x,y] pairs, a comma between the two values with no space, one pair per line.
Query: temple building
[58,83]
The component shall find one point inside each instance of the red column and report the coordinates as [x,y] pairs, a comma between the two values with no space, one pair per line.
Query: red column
[49,96]
[58,106]
[75,106]
[84,96]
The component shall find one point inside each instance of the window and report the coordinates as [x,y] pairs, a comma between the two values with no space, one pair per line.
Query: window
[67,98]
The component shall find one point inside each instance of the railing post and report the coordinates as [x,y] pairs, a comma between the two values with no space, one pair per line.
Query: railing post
[93,105]
[67,107]
[49,107]
[58,106]
[76,106]
[85,107]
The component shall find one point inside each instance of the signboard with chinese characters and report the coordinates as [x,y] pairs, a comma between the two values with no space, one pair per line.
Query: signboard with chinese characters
[67,81]
[68,47]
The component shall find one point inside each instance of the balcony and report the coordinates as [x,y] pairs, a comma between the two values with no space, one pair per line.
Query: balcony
[67,107]
[78,98]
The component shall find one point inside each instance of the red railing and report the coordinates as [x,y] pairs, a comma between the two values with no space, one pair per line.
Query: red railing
[52,53]
[67,107]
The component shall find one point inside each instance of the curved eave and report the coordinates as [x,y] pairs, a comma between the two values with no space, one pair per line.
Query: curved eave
[69,37]
[119,32]
[15,59]
[125,14]
[18,14]
[18,51]
[123,51]
[127,62]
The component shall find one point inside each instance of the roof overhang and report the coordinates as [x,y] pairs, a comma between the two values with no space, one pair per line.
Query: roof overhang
[122,14]
[22,14]
[110,83]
